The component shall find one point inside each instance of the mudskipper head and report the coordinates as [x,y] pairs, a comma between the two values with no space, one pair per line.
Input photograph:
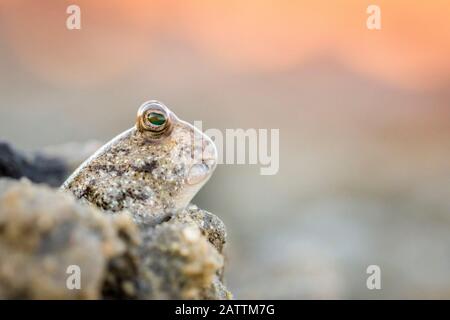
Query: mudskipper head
[183,154]
[151,170]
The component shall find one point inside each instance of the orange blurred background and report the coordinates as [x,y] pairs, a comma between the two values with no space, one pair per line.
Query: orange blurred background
[244,36]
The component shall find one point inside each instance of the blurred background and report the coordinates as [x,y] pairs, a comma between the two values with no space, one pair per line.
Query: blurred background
[364,119]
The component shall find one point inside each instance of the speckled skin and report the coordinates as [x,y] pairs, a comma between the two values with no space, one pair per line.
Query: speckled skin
[151,176]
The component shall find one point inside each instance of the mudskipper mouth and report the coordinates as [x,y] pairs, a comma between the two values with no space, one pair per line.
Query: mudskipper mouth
[200,171]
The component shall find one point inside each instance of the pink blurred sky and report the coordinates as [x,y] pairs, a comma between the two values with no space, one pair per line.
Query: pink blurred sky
[412,49]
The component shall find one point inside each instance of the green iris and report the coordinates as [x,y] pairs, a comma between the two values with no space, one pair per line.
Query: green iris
[156,119]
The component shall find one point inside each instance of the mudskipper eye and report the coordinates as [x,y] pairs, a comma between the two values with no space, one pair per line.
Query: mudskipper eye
[153,116]
[155,121]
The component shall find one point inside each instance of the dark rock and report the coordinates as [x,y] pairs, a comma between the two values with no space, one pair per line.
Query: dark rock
[38,168]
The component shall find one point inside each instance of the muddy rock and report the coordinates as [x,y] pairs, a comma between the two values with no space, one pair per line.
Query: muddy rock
[210,225]
[178,259]
[44,231]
